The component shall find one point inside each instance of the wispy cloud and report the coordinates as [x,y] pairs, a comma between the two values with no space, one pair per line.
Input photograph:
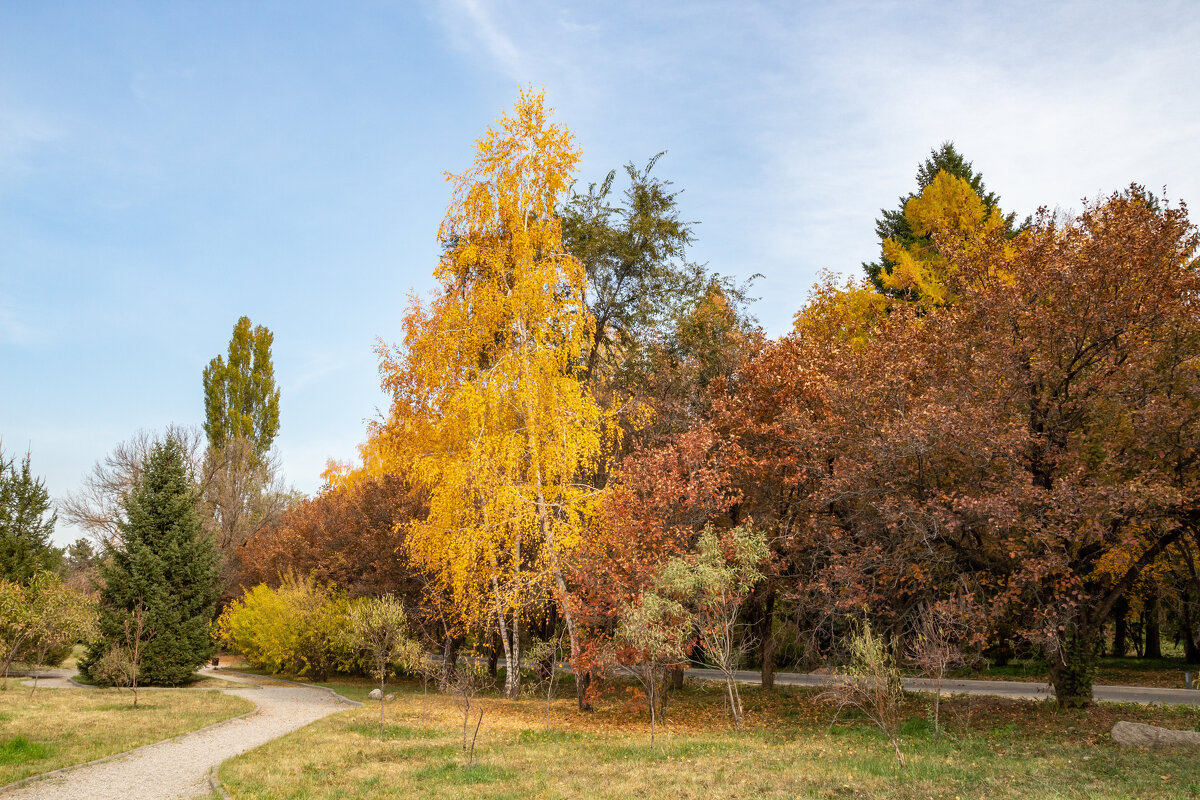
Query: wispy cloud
[12,330]
[22,130]
[486,31]
[316,368]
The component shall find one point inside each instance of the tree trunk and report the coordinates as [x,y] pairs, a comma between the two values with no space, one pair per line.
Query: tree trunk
[450,659]
[1188,629]
[493,656]
[766,637]
[1120,628]
[545,667]
[653,720]
[1073,668]
[382,699]
[512,680]
[1191,650]
[583,681]
[676,678]
[1001,652]
[1153,633]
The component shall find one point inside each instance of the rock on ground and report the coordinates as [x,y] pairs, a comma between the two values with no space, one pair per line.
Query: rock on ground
[1136,734]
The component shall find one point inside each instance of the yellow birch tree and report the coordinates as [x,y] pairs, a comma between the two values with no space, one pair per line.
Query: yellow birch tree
[488,410]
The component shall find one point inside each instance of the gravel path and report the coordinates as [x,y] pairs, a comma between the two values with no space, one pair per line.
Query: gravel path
[179,768]
[56,678]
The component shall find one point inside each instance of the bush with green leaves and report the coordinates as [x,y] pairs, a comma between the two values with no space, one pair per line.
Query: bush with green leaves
[653,636]
[379,630]
[713,583]
[60,617]
[871,683]
[40,620]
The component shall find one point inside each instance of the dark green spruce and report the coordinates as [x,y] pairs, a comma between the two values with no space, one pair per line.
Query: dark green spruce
[26,523]
[166,563]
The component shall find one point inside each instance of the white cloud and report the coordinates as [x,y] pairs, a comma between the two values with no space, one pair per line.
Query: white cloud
[484,30]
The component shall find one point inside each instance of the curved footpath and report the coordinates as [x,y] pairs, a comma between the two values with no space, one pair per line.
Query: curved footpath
[179,768]
[1014,689]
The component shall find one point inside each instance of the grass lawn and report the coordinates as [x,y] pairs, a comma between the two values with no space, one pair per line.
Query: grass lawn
[993,748]
[58,727]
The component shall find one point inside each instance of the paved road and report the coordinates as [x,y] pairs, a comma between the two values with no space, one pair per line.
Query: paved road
[1021,690]
[178,769]
[1016,689]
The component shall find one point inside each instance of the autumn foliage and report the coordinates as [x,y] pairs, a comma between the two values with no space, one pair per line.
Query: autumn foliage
[998,425]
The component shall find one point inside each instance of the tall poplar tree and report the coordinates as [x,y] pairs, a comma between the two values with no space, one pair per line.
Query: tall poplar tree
[166,564]
[241,400]
[489,413]
[241,419]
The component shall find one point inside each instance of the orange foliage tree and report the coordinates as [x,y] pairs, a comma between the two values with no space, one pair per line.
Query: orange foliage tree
[351,534]
[1003,447]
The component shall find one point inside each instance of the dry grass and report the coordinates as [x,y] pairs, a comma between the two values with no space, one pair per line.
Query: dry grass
[995,749]
[58,727]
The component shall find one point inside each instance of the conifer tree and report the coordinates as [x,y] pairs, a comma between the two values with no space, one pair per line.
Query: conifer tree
[895,226]
[164,563]
[26,523]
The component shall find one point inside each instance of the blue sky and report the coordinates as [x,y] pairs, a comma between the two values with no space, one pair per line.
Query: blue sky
[166,167]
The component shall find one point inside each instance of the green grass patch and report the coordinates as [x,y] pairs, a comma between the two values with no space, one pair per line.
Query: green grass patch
[455,774]
[694,748]
[395,732]
[128,708]
[357,690]
[19,750]
[543,736]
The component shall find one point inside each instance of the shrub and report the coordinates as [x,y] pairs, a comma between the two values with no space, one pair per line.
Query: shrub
[871,683]
[114,668]
[379,630]
[297,628]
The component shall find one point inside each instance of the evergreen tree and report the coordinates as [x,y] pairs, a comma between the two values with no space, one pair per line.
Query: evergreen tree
[164,563]
[894,225]
[26,523]
[241,400]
